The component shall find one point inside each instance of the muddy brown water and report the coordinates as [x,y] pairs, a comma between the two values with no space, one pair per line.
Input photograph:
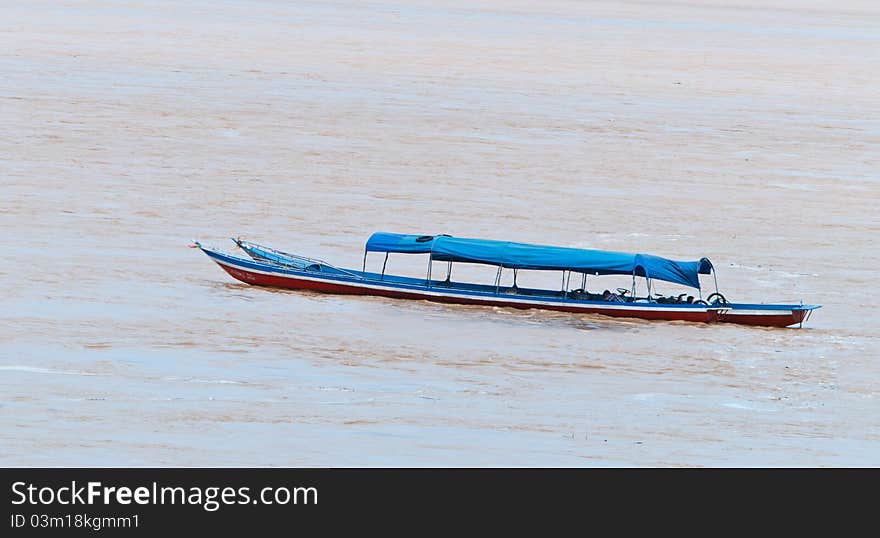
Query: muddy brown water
[748,135]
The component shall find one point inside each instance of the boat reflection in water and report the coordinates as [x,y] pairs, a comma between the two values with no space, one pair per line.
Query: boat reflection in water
[270,267]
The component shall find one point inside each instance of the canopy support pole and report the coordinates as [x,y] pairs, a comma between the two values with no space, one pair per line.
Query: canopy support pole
[364,270]
[584,282]
[430,265]
[562,291]
[383,266]
[514,279]
[634,283]
[449,273]
[715,276]
[498,280]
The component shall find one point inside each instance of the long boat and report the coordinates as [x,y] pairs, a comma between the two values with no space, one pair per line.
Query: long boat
[266,266]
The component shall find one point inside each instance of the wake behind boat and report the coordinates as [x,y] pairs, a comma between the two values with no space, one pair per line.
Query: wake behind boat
[270,267]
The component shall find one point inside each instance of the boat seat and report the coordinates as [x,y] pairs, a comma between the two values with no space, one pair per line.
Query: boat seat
[581,295]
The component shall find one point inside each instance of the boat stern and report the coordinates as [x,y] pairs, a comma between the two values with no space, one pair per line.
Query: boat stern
[766,315]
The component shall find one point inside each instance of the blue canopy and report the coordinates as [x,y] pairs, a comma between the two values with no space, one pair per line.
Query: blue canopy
[410,244]
[540,257]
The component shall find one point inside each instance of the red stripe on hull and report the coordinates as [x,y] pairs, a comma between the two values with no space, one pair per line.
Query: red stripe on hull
[260,279]
[770,320]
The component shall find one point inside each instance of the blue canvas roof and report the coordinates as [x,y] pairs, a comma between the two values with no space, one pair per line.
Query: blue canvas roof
[540,257]
[389,242]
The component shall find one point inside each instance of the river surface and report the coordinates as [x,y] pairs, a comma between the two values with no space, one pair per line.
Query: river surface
[746,134]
